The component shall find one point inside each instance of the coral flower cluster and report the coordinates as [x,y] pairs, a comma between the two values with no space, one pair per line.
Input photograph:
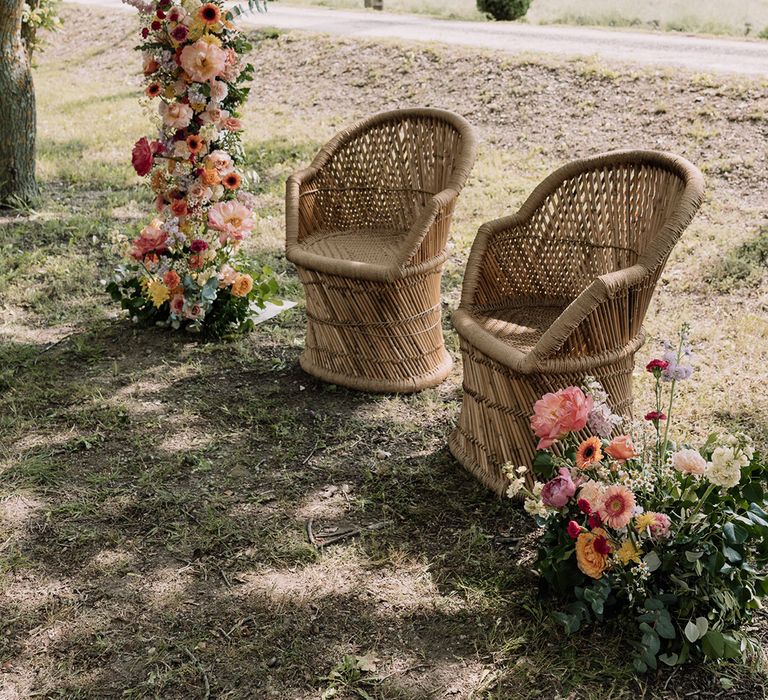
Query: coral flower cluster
[656,529]
[186,268]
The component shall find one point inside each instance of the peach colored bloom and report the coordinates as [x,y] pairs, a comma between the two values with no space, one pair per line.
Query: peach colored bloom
[617,506]
[689,462]
[210,176]
[199,192]
[176,115]
[220,161]
[171,279]
[242,286]
[589,453]
[179,207]
[232,219]
[232,124]
[152,238]
[232,68]
[203,61]
[556,415]
[589,559]
[150,65]
[621,448]
[219,90]
[213,115]
[227,275]
[193,312]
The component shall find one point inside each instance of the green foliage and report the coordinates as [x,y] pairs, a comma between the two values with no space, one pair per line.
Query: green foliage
[504,9]
[743,267]
[37,15]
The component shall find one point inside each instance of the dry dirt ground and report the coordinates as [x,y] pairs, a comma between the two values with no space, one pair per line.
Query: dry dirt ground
[155,490]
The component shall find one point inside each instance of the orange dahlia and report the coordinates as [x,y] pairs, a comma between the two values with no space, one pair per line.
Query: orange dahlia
[589,453]
[209,13]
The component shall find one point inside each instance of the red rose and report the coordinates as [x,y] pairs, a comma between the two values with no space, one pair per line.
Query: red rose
[656,366]
[142,157]
[144,33]
[156,25]
[198,246]
[574,529]
[160,14]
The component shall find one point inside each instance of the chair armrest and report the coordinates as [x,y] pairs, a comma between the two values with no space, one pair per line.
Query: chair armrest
[299,214]
[427,238]
[606,316]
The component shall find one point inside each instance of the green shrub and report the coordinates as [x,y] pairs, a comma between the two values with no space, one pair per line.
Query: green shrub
[764,34]
[504,9]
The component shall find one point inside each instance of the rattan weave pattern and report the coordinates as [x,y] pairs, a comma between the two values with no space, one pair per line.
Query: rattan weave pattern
[559,291]
[367,226]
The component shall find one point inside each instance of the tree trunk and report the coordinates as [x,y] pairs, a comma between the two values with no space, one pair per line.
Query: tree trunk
[17,111]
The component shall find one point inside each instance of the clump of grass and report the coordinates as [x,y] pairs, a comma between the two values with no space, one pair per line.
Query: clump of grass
[744,266]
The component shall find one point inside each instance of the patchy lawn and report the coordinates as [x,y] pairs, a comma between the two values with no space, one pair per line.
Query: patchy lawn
[155,490]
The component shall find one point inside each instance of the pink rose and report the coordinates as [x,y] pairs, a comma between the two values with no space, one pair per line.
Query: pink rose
[176,115]
[177,305]
[193,312]
[203,61]
[621,448]
[232,124]
[558,491]
[220,161]
[219,90]
[556,415]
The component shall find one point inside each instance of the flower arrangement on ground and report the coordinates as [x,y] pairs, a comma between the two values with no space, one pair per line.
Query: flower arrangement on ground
[672,536]
[186,269]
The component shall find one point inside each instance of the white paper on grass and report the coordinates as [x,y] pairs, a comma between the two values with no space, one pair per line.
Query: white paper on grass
[271,310]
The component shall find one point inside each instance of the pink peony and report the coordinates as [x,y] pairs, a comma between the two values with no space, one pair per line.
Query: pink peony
[176,115]
[555,415]
[203,61]
[559,490]
[617,506]
[232,219]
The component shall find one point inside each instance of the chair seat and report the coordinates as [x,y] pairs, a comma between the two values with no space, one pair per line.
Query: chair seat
[374,247]
[519,327]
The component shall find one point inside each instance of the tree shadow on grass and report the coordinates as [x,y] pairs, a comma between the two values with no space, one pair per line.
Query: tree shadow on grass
[163,550]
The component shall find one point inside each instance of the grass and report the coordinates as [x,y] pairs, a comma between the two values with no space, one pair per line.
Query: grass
[155,490]
[745,18]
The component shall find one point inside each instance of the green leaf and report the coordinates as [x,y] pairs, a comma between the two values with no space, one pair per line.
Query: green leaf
[639,665]
[713,644]
[731,554]
[652,561]
[542,465]
[693,556]
[753,492]
[734,534]
[691,631]
[665,628]
[702,624]
[651,643]
[669,659]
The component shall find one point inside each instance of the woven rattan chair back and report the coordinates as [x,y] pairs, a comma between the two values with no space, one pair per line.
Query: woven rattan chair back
[367,227]
[559,291]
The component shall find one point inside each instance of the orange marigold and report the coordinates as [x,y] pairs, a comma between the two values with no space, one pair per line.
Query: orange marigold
[589,560]
[589,453]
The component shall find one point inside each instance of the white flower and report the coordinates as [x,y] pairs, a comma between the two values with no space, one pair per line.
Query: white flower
[535,506]
[725,467]
[516,485]
[689,461]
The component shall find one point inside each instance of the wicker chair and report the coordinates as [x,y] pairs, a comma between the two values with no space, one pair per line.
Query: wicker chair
[367,227]
[559,291]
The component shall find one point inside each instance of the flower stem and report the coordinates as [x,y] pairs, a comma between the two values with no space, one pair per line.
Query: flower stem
[698,506]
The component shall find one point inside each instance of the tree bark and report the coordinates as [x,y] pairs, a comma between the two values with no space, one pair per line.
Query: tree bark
[17,111]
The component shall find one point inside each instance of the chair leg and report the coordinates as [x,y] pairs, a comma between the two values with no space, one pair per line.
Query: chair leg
[494,424]
[375,336]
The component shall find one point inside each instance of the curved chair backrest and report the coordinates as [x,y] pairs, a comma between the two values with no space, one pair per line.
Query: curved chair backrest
[383,171]
[614,211]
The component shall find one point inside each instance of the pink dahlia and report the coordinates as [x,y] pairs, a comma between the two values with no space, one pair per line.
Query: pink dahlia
[555,415]
[617,506]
